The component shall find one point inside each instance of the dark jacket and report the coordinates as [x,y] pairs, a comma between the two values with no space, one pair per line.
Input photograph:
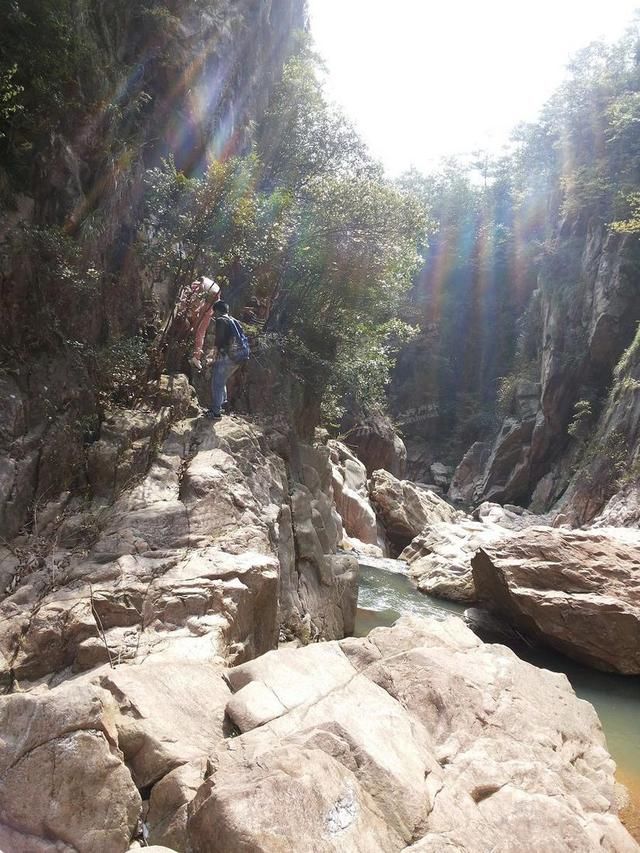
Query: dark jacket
[224,333]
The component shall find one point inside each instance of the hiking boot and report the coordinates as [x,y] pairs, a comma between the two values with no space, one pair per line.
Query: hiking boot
[213,416]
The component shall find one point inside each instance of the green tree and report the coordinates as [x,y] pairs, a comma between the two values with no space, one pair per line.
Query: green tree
[308,221]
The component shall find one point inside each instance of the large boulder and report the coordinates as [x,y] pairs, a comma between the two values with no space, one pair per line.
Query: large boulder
[576,590]
[374,440]
[440,558]
[170,714]
[508,517]
[405,509]
[419,737]
[63,781]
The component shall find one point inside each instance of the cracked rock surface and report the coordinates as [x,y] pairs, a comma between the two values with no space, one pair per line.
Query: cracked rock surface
[419,737]
[113,641]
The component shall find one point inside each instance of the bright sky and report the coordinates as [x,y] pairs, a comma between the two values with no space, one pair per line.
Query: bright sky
[425,79]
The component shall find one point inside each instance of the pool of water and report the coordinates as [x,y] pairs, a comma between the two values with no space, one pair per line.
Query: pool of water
[384,596]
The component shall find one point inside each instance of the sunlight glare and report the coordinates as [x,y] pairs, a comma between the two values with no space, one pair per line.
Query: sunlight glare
[424,80]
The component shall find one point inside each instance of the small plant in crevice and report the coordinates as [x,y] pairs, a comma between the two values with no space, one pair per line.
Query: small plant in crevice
[506,393]
[120,371]
[582,419]
[604,462]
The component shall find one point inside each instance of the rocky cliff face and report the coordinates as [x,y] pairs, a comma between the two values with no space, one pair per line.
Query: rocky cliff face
[186,82]
[216,545]
[582,318]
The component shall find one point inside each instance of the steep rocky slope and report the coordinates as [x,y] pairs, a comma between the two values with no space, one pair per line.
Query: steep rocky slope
[185,80]
[210,552]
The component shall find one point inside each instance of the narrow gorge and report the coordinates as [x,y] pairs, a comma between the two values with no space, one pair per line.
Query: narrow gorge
[389,600]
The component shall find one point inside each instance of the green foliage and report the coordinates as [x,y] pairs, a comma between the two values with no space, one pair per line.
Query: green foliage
[82,72]
[302,138]
[60,298]
[352,239]
[507,386]
[307,221]
[587,187]
[629,358]
[120,371]
[582,419]
[212,223]
[630,225]
[506,393]
[51,64]
[362,370]
[9,94]
[604,462]
[475,281]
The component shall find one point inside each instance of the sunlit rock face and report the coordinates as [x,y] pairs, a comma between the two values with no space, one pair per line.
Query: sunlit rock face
[113,640]
[580,342]
[351,496]
[214,549]
[578,591]
[419,737]
[581,317]
[405,509]
[606,491]
[440,558]
[465,484]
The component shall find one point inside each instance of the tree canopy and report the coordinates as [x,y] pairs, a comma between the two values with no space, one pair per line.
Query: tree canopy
[308,221]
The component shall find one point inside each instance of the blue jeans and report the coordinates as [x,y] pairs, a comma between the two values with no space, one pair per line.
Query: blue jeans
[223,369]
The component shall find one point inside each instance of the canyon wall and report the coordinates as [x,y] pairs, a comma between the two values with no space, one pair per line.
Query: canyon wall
[131,85]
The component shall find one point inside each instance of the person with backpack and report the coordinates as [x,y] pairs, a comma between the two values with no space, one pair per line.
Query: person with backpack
[232,351]
[201,314]
[190,319]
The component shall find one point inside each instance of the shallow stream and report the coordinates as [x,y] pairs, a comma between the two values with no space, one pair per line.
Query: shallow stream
[386,595]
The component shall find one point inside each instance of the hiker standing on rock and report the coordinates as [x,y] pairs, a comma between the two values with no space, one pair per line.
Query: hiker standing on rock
[191,316]
[232,350]
[200,314]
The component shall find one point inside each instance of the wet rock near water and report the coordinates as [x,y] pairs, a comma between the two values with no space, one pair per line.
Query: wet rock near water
[578,591]
[384,564]
[351,495]
[440,558]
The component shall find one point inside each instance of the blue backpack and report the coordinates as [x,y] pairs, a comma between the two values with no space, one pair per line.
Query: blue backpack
[238,350]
